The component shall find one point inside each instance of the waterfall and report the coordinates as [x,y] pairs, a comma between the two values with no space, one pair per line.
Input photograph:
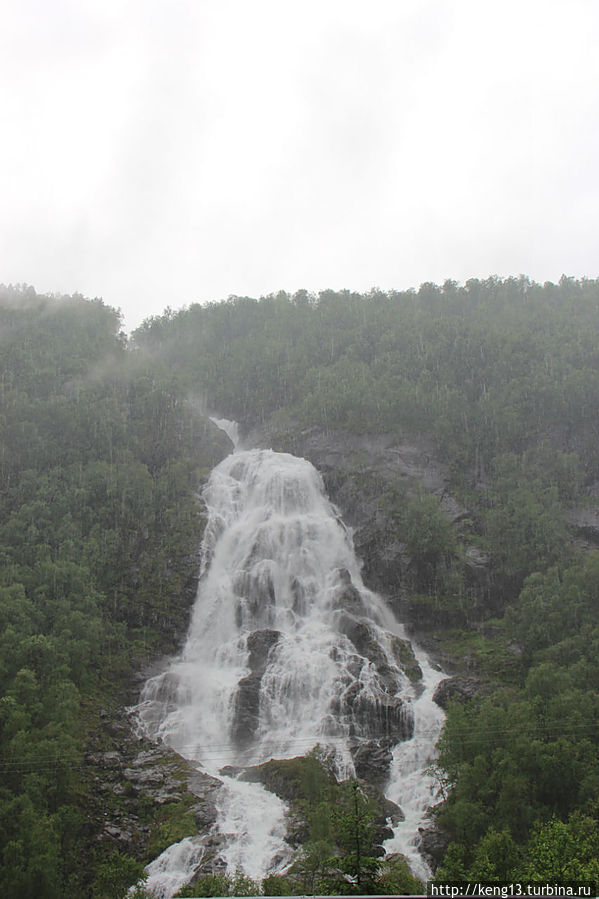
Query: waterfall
[287,648]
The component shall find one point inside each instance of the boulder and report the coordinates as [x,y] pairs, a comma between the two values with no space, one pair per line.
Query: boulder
[246,709]
[246,703]
[433,843]
[406,660]
[347,597]
[372,760]
[374,715]
[362,636]
[461,688]
[259,644]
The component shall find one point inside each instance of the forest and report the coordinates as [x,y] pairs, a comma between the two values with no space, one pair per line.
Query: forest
[104,441]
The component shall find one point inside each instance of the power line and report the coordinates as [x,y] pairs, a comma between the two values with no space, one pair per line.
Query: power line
[228,752]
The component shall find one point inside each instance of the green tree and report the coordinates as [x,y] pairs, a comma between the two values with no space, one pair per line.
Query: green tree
[354,830]
[564,850]
[395,878]
[115,875]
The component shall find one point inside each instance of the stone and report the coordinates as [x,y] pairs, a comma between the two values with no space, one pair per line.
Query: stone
[246,703]
[404,655]
[246,709]
[385,716]
[433,843]
[346,597]
[374,715]
[372,760]
[259,644]
[463,689]
[362,636]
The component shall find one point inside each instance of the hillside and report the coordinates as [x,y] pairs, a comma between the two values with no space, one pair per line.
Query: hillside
[457,430]
[100,463]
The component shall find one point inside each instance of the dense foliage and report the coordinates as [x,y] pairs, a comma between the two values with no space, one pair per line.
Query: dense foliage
[101,451]
[99,462]
[485,368]
[503,376]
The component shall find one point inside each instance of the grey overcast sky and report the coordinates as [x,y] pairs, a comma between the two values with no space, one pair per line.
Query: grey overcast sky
[162,152]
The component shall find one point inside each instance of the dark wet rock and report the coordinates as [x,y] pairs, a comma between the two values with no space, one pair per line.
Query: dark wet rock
[259,644]
[256,590]
[393,812]
[374,714]
[382,716]
[206,789]
[212,861]
[347,597]
[406,660]
[246,709]
[384,812]
[460,688]
[388,677]
[362,636]
[433,843]
[372,760]
[246,703]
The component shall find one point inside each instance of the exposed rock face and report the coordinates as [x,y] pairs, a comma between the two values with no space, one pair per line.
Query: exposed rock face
[461,688]
[359,631]
[372,760]
[347,597]
[138,788]
[374,715]
[361,634]
[247,699]
[259,644]
[246,709]
[205,789]
[372,708]
[433,844]
[586,520]
[359,470]
[404,655]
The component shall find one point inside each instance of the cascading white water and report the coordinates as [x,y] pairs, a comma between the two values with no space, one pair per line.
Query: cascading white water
[286,648]
[411,785]
[171,870]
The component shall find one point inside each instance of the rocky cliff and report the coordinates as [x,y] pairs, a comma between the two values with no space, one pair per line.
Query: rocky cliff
[362,474]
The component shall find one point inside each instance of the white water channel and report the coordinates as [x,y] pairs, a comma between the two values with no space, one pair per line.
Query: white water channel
[287,648]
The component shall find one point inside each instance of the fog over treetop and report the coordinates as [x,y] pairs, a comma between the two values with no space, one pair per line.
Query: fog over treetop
[169,155]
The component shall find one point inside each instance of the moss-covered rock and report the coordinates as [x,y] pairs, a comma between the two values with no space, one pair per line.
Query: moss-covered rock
[406,659]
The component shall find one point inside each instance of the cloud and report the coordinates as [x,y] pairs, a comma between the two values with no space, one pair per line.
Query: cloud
[158,153]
